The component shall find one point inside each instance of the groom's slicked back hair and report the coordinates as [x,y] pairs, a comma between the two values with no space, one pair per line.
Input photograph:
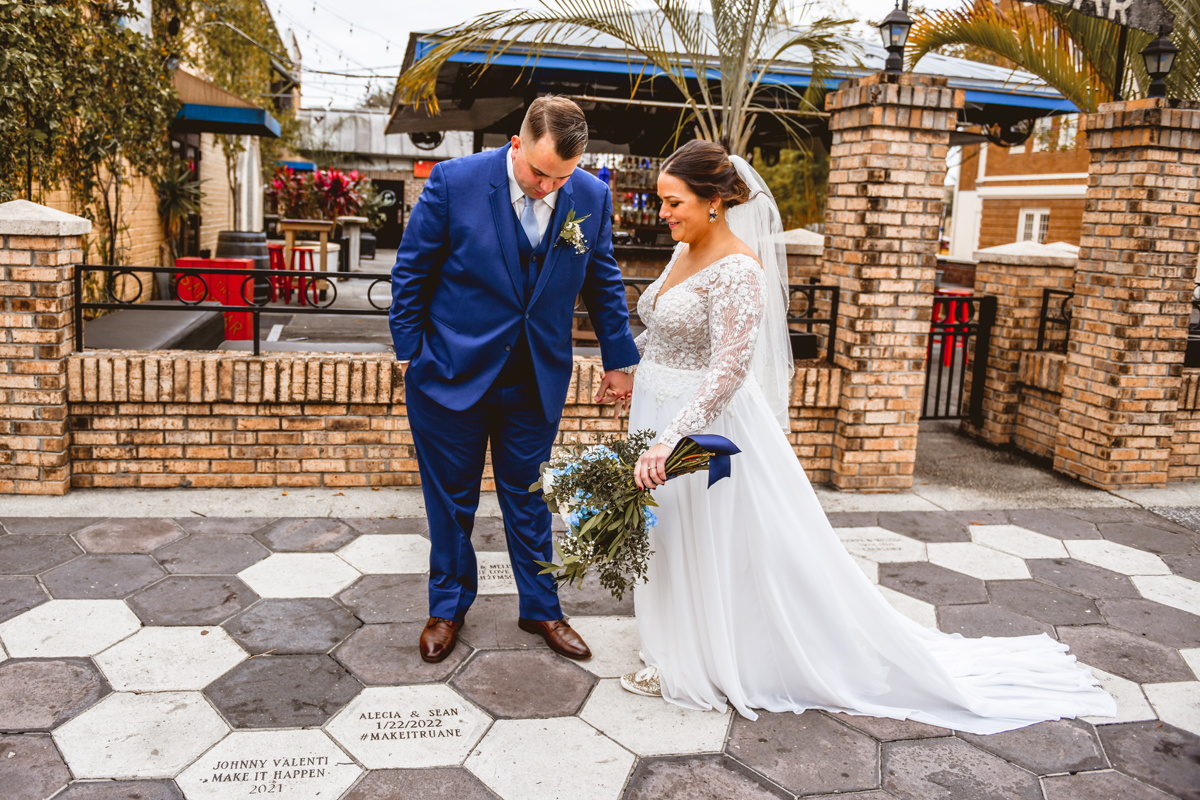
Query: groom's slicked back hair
[561,120]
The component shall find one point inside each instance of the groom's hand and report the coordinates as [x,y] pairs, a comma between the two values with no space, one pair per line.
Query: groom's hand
[615,387]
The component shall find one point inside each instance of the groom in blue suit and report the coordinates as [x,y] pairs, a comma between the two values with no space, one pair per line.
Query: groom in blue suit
[483,293]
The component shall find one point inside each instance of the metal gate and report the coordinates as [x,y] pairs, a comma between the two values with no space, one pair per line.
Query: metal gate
[958,322]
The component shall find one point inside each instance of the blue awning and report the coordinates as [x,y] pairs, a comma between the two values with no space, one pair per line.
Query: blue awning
[299,166]
[195,118]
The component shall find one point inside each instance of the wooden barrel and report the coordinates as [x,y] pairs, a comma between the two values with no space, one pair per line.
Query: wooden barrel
[247,244]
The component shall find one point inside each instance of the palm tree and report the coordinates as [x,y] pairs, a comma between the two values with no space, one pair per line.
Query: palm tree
[1074,53]
[732,45]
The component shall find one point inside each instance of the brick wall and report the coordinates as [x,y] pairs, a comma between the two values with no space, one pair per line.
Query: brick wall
[164,419]
[216,208]
[1000,221]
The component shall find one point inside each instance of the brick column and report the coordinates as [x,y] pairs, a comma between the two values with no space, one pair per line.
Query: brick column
[887,171]
[1133,285]
[1016,274]
[38,245]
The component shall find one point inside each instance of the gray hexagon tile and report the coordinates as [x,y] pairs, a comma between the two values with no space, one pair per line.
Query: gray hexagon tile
[391,525]
[696,777]
[1157,622]
[891,730]
[519,684]
[809,753]
[388,554]
[933,584]
[222,525]
[211,554]
[880,545]
[1150,538]
[409,726]
[154,735]
[388,654]
[1162,756]
[283,691]
[1170,590]
[18,595]
[492,623]
[489,535]
[299,575]
[68,628]
[306,535]
[986,619]
[121,790]
[1096,785]
[925,526]
[129,535]
[40,695]
[1054,523]
[1044,602]
[576,760]
[388,598]
[47,526]
[1082,578]
[298,765]
[1048,748]
[303,625]
[30,554]
[650,726]
[192,600]
[1186,565]
[94,577]
[1122,653]
[170,659]
[30,767]
[592,599]
[437,783]
[951,769]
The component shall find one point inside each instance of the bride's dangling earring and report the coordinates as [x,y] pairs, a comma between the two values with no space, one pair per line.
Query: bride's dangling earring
[712,215]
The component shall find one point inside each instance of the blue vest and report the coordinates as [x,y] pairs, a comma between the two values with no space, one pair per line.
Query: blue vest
[519,366]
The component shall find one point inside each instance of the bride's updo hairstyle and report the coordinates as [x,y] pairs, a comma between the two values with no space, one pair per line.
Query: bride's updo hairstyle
[706,169]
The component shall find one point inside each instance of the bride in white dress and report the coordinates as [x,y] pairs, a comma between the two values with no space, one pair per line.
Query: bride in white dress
[751,598]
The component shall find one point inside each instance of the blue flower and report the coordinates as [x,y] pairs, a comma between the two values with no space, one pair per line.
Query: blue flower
[651,518]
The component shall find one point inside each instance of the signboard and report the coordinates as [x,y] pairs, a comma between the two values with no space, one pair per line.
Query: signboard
[421,169]
[1145,15]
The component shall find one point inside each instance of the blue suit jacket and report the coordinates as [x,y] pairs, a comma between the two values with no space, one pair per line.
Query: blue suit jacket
[457,296]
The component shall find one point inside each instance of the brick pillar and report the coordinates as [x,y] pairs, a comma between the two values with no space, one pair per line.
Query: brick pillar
[887,171]
[1016,275]
[38,247]
[1133,285]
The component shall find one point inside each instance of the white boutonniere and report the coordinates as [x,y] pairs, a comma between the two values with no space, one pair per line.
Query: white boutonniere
[572,233]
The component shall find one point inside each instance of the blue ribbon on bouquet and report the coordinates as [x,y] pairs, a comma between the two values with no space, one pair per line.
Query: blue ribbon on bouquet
[720,450]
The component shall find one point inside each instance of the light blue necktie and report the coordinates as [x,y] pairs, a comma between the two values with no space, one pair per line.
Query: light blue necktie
[529,222]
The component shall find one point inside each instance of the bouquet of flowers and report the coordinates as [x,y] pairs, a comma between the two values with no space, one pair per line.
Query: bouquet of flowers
[607,515]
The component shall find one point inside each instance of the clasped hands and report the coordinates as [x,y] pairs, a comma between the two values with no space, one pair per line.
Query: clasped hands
[617,388]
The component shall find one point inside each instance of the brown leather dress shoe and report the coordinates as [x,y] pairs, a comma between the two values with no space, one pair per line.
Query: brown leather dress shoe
[561,637]
[439,638]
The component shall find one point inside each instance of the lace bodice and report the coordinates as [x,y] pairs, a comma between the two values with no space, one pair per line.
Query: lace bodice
[707,323]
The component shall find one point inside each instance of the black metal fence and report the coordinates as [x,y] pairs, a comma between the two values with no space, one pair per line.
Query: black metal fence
[956,322]
[1054,320]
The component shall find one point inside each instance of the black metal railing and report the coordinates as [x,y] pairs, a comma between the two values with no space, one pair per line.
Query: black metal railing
[1054,320]
[956,321]
[124,287]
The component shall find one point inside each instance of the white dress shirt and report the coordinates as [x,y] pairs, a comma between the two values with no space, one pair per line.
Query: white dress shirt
[543,209]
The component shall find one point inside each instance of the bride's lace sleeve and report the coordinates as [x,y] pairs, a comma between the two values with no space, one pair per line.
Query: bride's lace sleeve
[641,341]
[735,308]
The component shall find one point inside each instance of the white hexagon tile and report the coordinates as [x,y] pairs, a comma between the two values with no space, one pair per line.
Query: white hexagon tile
[1018,541]
[881,545]
[299,575]
[64,628]
[614,642]
[170,659]
[398,554]
[978,561]
[1177,704]
[495,573]
[1116,557]
[650,726]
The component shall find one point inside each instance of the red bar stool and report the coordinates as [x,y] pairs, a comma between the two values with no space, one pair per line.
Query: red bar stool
[281,285]
[302,262]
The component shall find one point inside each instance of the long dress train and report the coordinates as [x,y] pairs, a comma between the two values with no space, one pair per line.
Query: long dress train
[751,598]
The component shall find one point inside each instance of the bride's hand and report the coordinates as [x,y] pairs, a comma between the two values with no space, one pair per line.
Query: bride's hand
[650,470]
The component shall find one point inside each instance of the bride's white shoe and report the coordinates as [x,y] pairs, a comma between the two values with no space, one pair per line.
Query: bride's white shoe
[643,682]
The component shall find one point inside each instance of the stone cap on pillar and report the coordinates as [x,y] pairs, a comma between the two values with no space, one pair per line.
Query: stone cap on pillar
[1030,254]
[802,242]
[23,218]
[1165,122]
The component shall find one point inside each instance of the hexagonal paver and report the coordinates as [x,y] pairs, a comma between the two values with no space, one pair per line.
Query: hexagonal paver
[988,620]
[29,554]
[951,769]
[30,767]
[890,730]
[388,598]
[517,684]
[1095,785]
[18,595]
[283,691]
[388,654]
[40,695]
[1186,565]
[418,526]
[925,526]
[933,584]
[592,600]
[192,600]
[1150,538]
[438,783]
[305,625]
[1177,704]
[1053,523]
[1122,653]
[409,726]
[614,642]
[388,554]
[881,546]
[170,659]
[1192,657]
[918,611]
[138,535]
[1018,541]
[572,758]
[1084,579]
[154,735]
[495,573]
[121,790]
[299,575]
[1170,590]
[222,525]
[650,726]
[806,753]
[1117,557]
[211,554]
[299,765]
[489,536]
[1132,705]
[1047,748]
[1046,603]
[1161,755]
[47,526]
[68,628]
[1163,624]
[979,562]
[492,623]
[869,568]
[695,777]
[94,577]
[306,535]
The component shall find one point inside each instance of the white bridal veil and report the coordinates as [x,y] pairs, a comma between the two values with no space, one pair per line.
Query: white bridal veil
[757,223]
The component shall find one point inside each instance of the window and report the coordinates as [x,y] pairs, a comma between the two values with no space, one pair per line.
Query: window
[1068,129]
[1040,139]
[1034,224]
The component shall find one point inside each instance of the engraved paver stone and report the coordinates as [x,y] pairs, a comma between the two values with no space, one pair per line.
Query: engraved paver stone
[30,768]
[650,727]
[93,577]
[881,546]
[192,600]
[40,695]
[170,659]
[283,691]
[951,769]
[299,575]
[297,765]
[129,535]
[807,753]
[211,554]
[384,554]
[495,573]
[68,628]
[409,726]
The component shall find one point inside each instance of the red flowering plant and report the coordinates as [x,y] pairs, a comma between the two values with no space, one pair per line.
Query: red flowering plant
[324,194]
[338,194]
[293,195]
